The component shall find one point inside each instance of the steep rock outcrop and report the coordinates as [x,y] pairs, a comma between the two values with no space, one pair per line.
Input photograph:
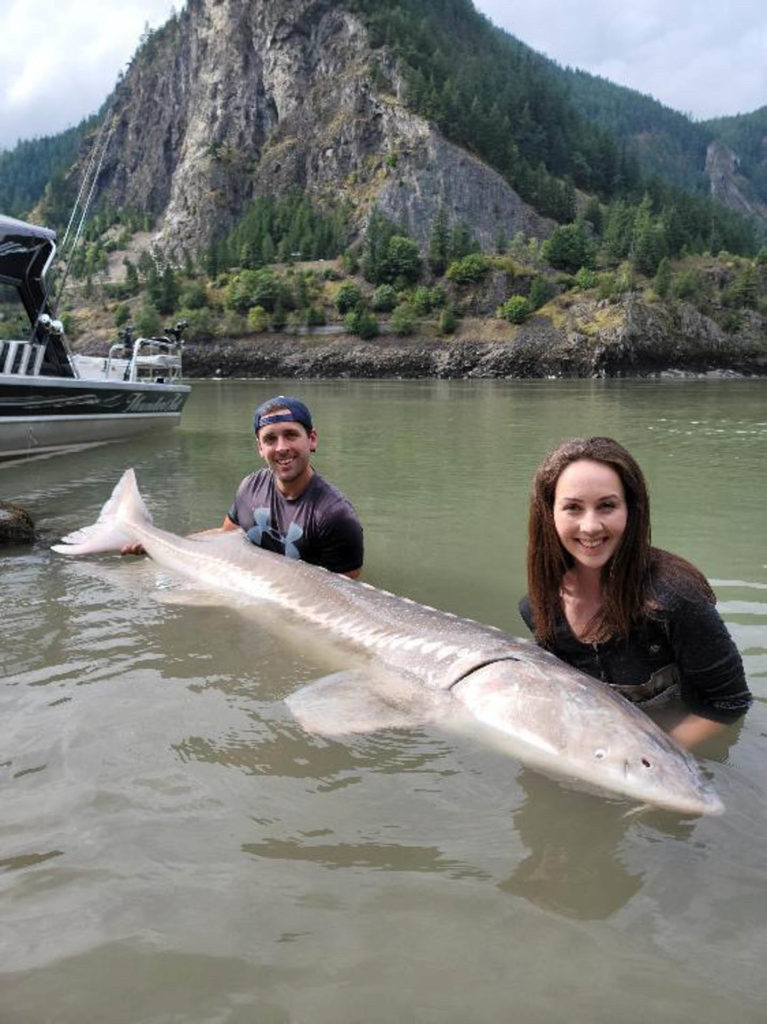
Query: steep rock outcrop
[232,100]
[727,183]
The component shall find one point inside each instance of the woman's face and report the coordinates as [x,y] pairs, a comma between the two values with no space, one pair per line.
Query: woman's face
[590,512]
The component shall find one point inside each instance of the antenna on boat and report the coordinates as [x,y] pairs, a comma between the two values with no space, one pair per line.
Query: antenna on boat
[87,185]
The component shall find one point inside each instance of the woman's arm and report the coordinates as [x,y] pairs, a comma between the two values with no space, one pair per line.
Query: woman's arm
[693,730]
[713,682]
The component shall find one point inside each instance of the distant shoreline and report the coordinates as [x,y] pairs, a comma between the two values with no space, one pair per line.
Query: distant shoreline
[535,355]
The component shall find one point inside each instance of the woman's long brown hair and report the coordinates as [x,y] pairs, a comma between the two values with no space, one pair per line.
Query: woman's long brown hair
[629,576]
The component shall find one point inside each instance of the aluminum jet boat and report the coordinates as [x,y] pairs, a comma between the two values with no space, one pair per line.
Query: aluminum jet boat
[52,399]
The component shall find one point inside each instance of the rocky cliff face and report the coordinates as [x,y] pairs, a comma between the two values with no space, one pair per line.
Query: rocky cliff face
[727,183]
[232,100]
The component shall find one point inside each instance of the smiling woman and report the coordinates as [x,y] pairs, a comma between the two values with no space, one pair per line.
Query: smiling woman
[604,600]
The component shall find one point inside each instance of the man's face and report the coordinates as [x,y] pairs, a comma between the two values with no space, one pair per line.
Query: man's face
[286,448]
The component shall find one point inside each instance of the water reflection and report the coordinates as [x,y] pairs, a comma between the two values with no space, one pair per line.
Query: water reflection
[574,864]
[375,855]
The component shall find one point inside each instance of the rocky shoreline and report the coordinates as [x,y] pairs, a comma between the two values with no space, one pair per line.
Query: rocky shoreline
[537,350]
[586,339]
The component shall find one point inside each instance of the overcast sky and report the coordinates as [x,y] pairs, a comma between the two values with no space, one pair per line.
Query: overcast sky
[702,57]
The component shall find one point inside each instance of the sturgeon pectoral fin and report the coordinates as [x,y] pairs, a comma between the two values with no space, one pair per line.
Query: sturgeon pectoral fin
[353,702]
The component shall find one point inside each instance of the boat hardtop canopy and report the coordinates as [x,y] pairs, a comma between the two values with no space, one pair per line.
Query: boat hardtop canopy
[25,255]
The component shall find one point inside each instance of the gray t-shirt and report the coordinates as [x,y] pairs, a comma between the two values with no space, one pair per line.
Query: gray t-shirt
[320,526]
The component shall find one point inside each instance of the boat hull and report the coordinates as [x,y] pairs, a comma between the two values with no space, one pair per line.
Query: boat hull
[39,414]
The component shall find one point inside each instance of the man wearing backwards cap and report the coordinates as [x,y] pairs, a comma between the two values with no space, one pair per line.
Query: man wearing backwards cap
[288,507]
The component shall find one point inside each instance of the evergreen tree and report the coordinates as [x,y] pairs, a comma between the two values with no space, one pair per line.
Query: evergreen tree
[618,229]
[402,261]
[379,231]
[169,291]
[569,248]
[439,243]
[131,277]
[662,282]
[648,243]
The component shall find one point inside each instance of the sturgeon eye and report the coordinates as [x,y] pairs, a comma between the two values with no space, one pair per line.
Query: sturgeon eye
[600,754]
[646,763]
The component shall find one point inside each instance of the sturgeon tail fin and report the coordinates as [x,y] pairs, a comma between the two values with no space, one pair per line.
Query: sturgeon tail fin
[111,531]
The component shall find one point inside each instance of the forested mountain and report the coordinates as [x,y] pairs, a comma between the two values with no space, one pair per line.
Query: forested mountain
[665,143]
[26,169]
[746,136]
[195,144]
[295,163]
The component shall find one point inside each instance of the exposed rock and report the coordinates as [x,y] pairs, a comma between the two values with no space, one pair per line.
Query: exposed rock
[233,100]
[728,185]
[629,338]
[16,525]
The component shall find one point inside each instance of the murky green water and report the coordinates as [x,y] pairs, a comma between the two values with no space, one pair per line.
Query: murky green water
[174,848]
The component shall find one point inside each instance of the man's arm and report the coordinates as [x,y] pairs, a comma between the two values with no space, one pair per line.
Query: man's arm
[225,527]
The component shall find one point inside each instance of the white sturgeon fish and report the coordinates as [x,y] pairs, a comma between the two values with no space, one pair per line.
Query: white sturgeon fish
[421,664]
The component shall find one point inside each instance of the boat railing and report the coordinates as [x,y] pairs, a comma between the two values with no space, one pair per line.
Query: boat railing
[147,359]
[22,357]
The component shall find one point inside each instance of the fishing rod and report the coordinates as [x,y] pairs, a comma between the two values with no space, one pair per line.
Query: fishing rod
[89,179]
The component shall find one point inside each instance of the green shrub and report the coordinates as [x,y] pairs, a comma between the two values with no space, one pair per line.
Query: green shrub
[279,317]
[403,319]
[516,309]
[569,248]
[203,324]
[422,301]
[384,298]
[122,315]
[351,262]
[686,284]
[194,295]
[361,321]
[258,319]
[315,316]
[348,297]
[586,278]
[147,323]
[541,290]
[446,321]
[605,286]
[470,269]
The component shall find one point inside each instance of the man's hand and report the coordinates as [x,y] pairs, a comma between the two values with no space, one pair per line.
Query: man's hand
[132,549]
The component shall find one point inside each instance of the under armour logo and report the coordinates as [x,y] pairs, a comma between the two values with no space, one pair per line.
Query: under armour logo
[262,528]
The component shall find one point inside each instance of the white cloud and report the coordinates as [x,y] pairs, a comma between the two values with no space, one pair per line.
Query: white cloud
[61,59]
[696,56]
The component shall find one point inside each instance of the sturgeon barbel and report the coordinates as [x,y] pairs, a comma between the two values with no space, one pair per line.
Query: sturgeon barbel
[547,714]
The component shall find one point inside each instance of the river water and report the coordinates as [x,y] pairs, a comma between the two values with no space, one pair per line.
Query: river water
[173,848]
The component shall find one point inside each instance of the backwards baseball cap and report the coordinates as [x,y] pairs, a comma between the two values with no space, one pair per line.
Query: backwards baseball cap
[299,413]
